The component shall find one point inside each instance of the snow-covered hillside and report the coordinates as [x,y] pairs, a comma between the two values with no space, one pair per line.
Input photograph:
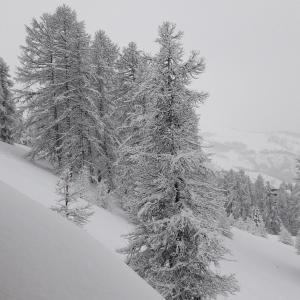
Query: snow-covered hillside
[43,256]
[37,181]
[271,154]
[265,268]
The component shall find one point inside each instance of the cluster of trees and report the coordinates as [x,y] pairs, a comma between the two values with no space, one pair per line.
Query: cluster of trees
[276,207]
[125,122]
[7,106]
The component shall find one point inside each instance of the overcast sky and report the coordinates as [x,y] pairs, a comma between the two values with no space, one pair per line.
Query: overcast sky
[251,48]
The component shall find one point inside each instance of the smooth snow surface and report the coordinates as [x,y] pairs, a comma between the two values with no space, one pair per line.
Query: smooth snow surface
[43,256]
[265,268]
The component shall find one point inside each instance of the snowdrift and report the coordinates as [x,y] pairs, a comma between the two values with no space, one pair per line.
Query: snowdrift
[43,256]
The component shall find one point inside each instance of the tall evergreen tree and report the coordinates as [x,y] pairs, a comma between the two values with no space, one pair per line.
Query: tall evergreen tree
[271,214]
[78,98]
[239,194]
[55,70]
[132,67]
[176,239]
[37,73]
[260,193]
[104,54]
[7,107]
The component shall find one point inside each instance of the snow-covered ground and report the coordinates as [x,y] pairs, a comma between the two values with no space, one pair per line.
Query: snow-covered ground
[43,256]
[37,181]
[265,268]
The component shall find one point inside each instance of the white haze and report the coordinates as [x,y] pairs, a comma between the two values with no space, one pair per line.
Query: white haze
[251,49]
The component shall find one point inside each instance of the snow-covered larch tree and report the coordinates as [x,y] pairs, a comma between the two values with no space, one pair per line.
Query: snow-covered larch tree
[80,117]
[104,54]
[56,71]
[176,240]
[132,68]
[39,93]
[72,197]
[7,107]
[271,213]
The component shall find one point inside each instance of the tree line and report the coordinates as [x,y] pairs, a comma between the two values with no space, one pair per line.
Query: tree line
[277,207]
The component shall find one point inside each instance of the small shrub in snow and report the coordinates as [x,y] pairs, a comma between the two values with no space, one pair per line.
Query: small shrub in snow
[285,237]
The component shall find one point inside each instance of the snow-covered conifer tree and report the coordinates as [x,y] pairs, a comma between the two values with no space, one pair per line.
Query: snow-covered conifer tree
[40,96]
[260,193]
[271,213]
[239,193]
[71,192]
[285,237]
[133,67]
[7,108]
[80,116]
[128,64]
[104,54]
[56,72]
[176,238]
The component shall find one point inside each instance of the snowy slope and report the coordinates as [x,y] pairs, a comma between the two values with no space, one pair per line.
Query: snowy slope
[43,256]
[265,268]
[36,181]
[272,154]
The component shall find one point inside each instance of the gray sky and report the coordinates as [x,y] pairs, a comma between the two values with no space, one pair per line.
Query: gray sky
[252,49]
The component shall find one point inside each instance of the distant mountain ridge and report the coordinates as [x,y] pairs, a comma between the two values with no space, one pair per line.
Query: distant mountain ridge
[272,154]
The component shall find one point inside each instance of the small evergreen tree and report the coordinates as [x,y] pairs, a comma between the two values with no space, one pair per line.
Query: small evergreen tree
[258,227]
[285,237]
[71,192]
[7,108]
